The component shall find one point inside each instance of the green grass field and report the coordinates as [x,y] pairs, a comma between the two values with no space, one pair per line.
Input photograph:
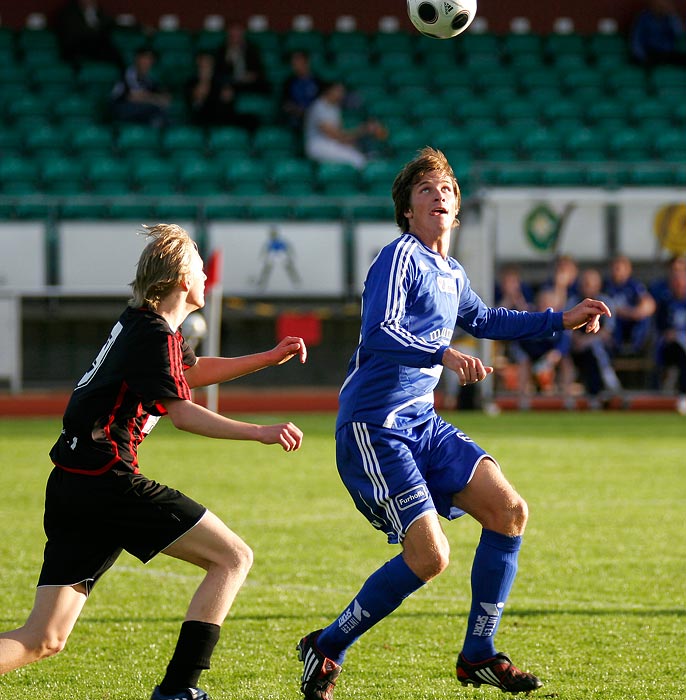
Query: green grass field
[598,609]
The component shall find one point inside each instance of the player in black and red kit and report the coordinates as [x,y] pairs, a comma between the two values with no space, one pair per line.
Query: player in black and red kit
[97,501]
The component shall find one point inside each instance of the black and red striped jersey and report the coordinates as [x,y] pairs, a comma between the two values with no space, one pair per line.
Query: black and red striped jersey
[117,401]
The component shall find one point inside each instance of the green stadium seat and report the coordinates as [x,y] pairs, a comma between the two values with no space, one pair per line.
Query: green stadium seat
[133,210]
[517,175]
[264,107]
[555,44]
[368,211]
[316,211]
[245,176]
[582,144]
[169,41]
[541,141]
[673,140]
[649,175]
[55,75]
[533,80]
[76,108]
[29,40]
[621,79]
[293,177]
[607,44]
[387,42]
[153,176]
[92,138]
[270,211]
[348,61]
[377,177]
[351,42]
[169,209]
[97,78]
[275,141]
[27,106]
[108,176]
[517,44]
[46,138]
[201,176]
[629,144]
[137,139]
[209,40]
[583,78]
[561,109]
[228,141]
[182,140]
[128,40]
[337,179]
[83,209]
[18,175]
[218,211]
[309,41]
[563,176]
[63,176]
[608,108]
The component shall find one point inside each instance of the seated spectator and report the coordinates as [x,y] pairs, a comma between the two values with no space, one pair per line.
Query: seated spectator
[633,308]
[670,321]
[238,63]
[326,140]
[660,288]
[657,34]
[563,282]
[543,363]
[212,102]
[84,32]
[592,352]
[300,90]
[138,97]
[511,292]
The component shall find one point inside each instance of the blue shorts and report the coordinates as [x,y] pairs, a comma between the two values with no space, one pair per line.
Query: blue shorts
[394,476]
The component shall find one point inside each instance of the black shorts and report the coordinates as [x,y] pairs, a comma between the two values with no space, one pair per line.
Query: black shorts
[89,520]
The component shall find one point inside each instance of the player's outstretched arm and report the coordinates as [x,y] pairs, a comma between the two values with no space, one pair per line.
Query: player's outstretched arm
[188,416]
[585,313]
[214,370]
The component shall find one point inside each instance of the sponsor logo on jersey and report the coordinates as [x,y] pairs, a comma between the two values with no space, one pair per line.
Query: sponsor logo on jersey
[447,285]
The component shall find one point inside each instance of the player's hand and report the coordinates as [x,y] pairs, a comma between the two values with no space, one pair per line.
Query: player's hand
[586,313]
[288,435]
[288,348]
[469,369]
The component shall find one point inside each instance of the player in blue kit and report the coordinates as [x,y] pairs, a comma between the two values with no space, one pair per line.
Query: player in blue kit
[402,463]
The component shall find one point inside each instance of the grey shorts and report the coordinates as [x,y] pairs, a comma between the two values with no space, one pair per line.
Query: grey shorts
[90,520]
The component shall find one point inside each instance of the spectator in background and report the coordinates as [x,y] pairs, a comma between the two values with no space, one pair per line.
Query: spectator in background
[211,102]
[138,97]
[326,139]
[300,90]
[633,307]
[511,292]
[238,63]
[660,288]
[563,282]
[593,354]
[546,360]
[658,34]
[84,32]
[670,320]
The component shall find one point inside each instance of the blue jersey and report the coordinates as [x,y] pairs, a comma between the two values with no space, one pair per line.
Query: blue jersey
[412,301]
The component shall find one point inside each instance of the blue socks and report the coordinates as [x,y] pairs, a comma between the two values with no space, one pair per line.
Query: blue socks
[380,595]
[493,573]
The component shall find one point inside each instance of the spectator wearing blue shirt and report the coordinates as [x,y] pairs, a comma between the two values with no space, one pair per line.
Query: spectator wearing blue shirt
[657,35]
[670,321]
[592,354]
[301,89]
[633,307]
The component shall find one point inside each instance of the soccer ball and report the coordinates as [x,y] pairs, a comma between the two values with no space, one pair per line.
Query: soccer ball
[441,19]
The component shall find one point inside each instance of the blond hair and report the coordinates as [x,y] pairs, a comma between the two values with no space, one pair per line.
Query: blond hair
[163,264]
[427,160]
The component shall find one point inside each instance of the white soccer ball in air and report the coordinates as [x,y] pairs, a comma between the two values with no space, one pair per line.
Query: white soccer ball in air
[441,19]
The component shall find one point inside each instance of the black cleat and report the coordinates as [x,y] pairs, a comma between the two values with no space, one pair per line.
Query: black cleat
[498,671]
[186,694]
[319,673]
